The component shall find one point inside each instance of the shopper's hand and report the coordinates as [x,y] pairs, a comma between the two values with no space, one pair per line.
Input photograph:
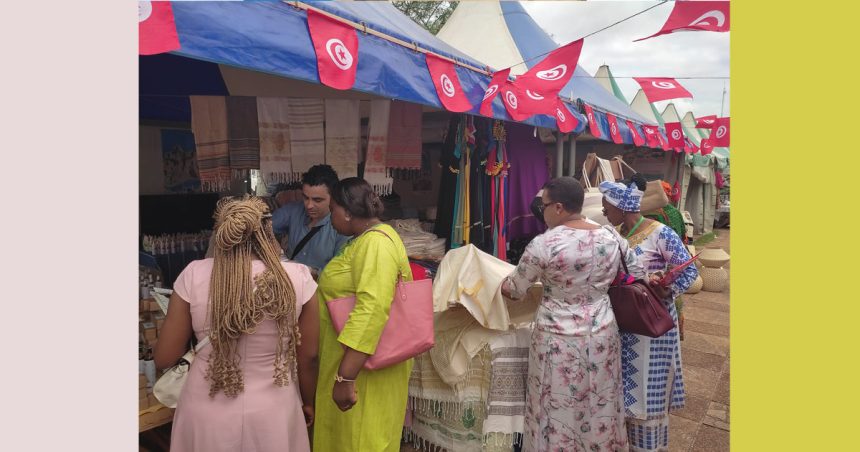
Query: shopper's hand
[345,395]
[308,410]
[662,291]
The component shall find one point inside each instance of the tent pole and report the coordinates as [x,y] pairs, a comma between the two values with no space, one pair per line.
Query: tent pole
[571,155]
[559,154]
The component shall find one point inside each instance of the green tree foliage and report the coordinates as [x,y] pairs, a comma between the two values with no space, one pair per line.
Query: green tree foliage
[430,15]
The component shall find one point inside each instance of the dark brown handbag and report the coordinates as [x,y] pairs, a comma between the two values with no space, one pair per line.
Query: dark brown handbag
[638,309]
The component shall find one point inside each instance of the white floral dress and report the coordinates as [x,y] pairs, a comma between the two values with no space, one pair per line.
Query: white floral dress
[574,400]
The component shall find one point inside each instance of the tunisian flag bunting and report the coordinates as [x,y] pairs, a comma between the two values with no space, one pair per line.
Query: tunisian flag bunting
[706,122]
[447,84]
[336,47]
[499,78]
[614,130]
[720,133]
[707,147]
[638,139]
[592,121]
[544,80]
[156,31]
[696,16]
[652,136]
[565,121]
[675,135]
[512,98]
[661,88]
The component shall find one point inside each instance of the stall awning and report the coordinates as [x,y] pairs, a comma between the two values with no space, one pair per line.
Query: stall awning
[272,38]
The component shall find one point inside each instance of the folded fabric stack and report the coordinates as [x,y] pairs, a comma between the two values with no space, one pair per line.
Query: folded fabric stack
[418,242]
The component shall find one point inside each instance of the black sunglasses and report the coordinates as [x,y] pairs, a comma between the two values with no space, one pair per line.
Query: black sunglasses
[543,206]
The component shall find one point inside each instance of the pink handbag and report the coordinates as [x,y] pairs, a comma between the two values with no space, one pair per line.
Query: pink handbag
[409,330]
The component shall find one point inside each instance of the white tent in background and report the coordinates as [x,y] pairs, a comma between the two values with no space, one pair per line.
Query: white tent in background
[641,105]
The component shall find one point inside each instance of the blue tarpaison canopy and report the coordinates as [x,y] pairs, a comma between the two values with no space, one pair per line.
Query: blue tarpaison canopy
[273,38]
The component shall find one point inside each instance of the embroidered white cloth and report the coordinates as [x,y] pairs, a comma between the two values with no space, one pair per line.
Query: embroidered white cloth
[377,147]
[307,139]
[274,120]
[342,136]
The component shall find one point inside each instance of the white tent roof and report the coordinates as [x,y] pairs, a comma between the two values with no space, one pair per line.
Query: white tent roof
[484,19]
[602,77]
[641,105]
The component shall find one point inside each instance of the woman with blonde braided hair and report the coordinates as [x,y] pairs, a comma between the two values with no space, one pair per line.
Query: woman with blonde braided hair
[252,386]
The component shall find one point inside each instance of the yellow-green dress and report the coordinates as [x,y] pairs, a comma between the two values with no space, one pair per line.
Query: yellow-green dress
[367,266]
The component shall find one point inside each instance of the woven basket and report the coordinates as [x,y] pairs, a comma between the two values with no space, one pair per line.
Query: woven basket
[696,287]
[714,279]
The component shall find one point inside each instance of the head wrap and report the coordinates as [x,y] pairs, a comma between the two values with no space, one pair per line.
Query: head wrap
[626,198]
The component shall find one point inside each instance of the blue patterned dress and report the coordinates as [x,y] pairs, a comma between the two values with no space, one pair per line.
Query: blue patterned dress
[651,367]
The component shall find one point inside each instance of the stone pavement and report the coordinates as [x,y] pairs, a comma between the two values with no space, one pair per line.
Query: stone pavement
[703,425]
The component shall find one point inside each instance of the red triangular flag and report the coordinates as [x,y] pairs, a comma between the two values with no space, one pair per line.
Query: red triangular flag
[156,30]
[544,80]
[638,139]
[720,133]
[652,136]
[564,119]
[447,84]
[696,16]
[661,88]
[675,135]
[707,147]
[705,122]
[499,78]
[592,121]
[512,98]
[614,131]
[336,48]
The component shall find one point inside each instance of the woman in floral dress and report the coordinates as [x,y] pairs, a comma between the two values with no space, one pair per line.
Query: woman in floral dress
[574,400]
[653,381]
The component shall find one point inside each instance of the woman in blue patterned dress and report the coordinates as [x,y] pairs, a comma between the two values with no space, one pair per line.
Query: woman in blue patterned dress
[651,367]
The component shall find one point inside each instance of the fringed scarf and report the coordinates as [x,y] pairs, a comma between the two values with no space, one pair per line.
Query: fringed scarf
[307,138]
[275,161]
[403,158]
[243,135]
[209,125]
[378,146]
[342,136]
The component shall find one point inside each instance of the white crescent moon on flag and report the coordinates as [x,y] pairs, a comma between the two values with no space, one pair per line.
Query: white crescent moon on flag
[144,10]
[663,85]
[534,95]
[490,91]
[512,99]
[447,85]
[553,74]
[715,14]
[560,115]
[339,54]
[676,134]
[721,131]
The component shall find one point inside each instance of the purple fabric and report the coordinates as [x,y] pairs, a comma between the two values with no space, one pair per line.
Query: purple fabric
[527,175]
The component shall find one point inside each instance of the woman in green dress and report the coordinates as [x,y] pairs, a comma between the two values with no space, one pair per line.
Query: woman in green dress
[359,409]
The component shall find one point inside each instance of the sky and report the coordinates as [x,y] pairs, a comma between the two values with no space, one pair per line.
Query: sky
[688,54]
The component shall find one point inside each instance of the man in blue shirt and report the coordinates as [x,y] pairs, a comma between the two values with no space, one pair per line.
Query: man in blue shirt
[312,239]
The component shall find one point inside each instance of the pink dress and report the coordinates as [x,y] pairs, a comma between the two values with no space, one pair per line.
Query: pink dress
[263,417]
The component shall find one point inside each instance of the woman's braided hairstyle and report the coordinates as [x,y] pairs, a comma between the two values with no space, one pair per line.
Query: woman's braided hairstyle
[243,231]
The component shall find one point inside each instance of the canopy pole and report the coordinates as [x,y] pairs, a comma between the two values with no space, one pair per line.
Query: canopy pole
[571,153]
[559,154]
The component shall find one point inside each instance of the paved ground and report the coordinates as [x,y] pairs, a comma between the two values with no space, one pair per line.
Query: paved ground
[703,425]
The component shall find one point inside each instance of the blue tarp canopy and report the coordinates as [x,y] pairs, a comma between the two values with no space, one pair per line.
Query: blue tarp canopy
[273,38]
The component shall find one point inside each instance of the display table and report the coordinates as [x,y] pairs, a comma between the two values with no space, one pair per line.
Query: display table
[154,416]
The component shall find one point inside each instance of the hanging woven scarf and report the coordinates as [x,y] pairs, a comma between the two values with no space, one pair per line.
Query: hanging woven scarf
[209,124]
[243,134]
[275,162]
[342,136]
[307,138]
[404,139]
[377,147]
